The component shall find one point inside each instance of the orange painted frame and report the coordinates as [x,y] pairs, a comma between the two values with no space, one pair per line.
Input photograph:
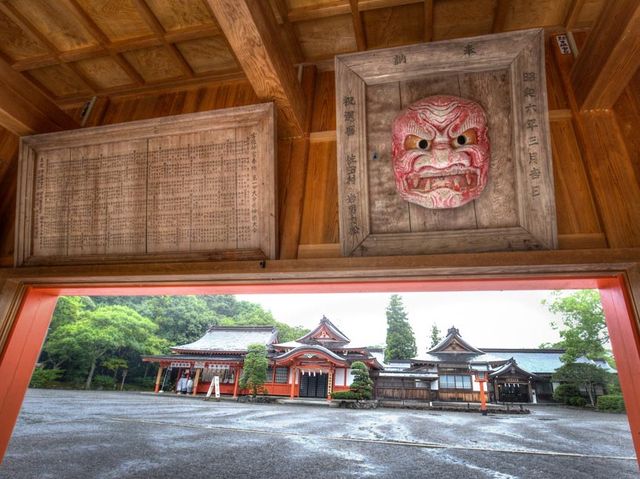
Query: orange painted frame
[29,328]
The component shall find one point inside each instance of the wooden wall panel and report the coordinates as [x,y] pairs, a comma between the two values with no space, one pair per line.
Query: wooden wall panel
[323,38]
[320,212]
[388,27]
[323,115]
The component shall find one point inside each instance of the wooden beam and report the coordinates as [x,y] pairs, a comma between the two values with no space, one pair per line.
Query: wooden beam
[358,27]
[428,20]
[252,31]
[610,57]
[24,109]
[573,13]
[290,34]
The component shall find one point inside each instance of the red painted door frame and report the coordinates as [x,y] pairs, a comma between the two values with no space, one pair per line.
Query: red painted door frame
[29,329]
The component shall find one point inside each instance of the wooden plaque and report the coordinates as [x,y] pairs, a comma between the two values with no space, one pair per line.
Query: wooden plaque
[198,186]
[503,73]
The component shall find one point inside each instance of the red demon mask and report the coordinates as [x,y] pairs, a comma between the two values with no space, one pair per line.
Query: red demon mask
[441,152]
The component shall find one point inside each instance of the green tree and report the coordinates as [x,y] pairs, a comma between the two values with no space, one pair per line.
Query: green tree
[362,384]
[181,319]
[115,364]
[582,376]
[69,308]
[254,372]
[581,326]
[436,335]
[401,342]
[107,329]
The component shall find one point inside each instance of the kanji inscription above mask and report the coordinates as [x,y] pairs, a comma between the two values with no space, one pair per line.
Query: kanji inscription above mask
[441,152]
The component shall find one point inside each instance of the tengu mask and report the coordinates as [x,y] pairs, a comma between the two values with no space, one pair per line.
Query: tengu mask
[441,152]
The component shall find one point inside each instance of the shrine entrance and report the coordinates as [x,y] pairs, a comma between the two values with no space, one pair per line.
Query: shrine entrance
[513,392]
[313,385]
[28,301]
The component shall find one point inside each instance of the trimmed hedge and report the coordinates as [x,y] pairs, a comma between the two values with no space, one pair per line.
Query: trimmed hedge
[611,403]
[347,395]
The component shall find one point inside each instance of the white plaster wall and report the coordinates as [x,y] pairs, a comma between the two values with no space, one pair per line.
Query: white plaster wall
[349,377]
[339,381]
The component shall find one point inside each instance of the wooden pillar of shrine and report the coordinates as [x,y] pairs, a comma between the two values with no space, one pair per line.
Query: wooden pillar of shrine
[293,382]
[236,380]
[195,381]
[330,383]
[158,379]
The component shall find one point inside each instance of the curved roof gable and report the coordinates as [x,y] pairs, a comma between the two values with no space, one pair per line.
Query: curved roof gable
[454,343]
[325,332]
[312,350]
[511,367]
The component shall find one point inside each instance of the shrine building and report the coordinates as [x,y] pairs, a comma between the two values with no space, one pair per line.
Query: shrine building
[313,366]
[447,372]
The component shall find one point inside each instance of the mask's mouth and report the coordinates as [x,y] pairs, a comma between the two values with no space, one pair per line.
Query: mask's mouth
[455,178]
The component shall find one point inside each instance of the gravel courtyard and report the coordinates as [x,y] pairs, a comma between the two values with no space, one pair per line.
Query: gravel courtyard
[74,434]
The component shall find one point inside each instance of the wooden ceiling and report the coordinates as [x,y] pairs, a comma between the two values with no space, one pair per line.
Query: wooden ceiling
[76,49]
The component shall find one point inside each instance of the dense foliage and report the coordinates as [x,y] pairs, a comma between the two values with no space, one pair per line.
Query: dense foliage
[105,335]
[582,376]
[401,342]
[254,371]
[581,325]
[611,403]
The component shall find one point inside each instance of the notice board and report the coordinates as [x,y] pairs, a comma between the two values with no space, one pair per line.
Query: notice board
[196,187]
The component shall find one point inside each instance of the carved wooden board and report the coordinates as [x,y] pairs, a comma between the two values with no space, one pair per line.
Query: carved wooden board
[505,75]
[185,187]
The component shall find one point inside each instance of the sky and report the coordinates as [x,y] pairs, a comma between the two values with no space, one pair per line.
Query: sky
[489,319]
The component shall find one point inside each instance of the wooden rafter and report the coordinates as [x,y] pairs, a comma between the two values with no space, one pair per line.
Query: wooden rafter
[610,57]
[573,13]
[292,40]
[152,21]
[341,7]
[358,26]
[252,31]
[24,109]
[103,39]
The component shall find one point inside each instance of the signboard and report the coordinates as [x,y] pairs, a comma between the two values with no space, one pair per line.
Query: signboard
[216,382]
[176,364]
[444,147]
[199,365]
[197,186]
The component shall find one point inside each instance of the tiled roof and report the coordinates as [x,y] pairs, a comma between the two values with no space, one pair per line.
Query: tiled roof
[544,361]
[231,338]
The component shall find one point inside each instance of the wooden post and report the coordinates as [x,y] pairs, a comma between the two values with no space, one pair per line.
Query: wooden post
[158,379]
[293,382]
[195,381]
[235,383]
[483,398]
[330,384]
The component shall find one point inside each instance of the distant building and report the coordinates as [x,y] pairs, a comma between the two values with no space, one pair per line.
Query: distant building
[314,365]
[445,373]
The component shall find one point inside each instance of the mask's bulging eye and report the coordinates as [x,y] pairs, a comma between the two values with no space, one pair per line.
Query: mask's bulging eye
[469,137]
[413,142]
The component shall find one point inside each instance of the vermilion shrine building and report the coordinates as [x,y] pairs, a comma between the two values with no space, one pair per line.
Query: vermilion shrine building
[313,366]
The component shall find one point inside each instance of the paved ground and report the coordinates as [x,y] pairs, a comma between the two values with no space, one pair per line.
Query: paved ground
[63,434]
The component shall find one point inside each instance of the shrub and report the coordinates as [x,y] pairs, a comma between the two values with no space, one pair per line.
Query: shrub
[345,395]
[362,384]
[577,401]
[42,378]
[611,403]
[101,381]
[565,392]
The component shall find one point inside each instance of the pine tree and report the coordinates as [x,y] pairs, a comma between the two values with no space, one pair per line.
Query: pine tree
[436,335]
[362,384]
[401,342]
[254,372]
